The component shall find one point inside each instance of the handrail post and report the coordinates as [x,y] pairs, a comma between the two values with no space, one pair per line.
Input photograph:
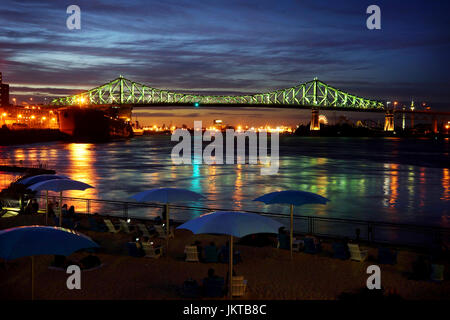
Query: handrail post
[88,206]
[125,210]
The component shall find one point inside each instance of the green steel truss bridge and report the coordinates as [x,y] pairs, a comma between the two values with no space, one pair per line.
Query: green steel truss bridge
[314,94]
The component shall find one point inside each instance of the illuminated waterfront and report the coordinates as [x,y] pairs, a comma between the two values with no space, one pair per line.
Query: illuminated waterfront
[396,180]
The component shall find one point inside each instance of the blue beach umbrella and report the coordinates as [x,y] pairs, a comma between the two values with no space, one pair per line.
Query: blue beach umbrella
[166,196]
[41,240]
[234,224]
[60,185]
[292,197]
[39,178]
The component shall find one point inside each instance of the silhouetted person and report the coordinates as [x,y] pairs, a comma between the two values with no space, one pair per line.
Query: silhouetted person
[64,210]
[28,208]
[357,233]
[198,244]
[51,212]
[34,206]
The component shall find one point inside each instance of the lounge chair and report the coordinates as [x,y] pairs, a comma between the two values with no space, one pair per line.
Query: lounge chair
[311,247]
[110,226]
[211,254]
[191,254]
[124,226]
[386,256]
[340,251]
[151,252]
[133,250]
[142,228]
[213,287]
[437,272]
[238,286]
[162,232]
[357,254]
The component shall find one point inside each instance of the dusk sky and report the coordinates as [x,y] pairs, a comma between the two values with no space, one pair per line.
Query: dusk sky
[228,46]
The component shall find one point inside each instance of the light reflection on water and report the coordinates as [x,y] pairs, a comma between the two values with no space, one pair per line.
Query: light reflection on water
[360,183]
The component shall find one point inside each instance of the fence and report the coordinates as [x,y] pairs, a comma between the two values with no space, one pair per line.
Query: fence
[371,231]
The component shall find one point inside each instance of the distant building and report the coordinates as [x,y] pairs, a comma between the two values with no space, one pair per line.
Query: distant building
[4,93]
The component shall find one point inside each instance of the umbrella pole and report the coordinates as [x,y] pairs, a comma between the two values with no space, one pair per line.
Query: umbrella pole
[32,277]
[46,207]
[292,227]
[167,229]
[230,271]
[60,208]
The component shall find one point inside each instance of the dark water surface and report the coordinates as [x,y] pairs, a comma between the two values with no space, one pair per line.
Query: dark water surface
[384,179]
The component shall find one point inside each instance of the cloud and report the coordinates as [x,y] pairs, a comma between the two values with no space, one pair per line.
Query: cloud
[226,47]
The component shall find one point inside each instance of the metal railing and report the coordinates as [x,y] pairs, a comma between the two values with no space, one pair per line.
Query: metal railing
[370,231]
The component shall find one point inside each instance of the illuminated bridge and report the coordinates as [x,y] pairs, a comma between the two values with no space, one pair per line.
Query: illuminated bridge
[312,94]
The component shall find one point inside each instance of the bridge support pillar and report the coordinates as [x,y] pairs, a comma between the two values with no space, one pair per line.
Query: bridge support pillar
[389,120]
[435,125]
[412,120]
[315,125]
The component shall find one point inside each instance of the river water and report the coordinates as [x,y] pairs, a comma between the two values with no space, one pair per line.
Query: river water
[378,179]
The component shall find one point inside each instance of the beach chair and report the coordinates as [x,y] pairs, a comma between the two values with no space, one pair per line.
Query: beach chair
[142,228]
[124,226]
[238,286]
[191,254]
[311,247]
[133,250]
[340,251]
[110,226]
[162,233]
[357,254]
[151,252]
[386,256]
[211,254]
[214,287]
[437,272]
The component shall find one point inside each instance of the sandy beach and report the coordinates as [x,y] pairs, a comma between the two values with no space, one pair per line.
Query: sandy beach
[270,272]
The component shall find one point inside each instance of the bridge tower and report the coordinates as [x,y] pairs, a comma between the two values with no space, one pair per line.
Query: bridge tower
[389,120]
[315,124]
[435,124]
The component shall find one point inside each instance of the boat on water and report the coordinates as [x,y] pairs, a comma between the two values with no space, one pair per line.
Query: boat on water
[137,129]
[138,132]
[96,123]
